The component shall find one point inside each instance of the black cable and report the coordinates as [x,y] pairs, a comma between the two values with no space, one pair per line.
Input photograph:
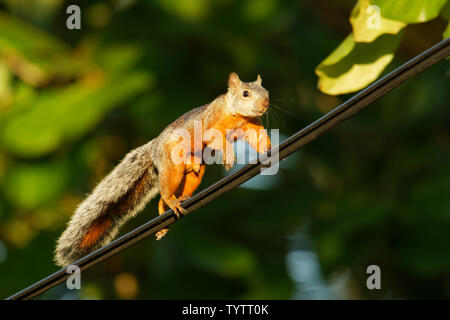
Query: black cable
[359,101]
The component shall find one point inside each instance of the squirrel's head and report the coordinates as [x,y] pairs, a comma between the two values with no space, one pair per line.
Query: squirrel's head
[248,99]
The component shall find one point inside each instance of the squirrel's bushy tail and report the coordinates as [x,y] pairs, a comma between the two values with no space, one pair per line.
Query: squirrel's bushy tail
[116,199]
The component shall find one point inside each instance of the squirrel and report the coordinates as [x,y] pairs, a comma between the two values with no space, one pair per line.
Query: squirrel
[149,169]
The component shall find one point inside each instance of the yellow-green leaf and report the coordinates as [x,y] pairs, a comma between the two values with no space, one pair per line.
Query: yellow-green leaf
[445,12]
[361,64]
[368,24]
[447,31]
[410,11]
[340,52]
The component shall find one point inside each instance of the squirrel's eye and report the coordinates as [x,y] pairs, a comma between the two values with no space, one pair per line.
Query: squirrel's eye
[246,93]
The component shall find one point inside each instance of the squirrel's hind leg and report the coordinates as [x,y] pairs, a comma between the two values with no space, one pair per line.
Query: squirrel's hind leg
[170,178]
[191,182]
[187,187]
[161,209]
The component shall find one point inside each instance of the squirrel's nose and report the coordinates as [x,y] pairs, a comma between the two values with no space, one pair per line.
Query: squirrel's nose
[265,102]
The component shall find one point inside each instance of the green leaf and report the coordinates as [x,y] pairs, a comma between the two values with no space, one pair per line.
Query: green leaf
[410,11]
[353,66]
[367,25]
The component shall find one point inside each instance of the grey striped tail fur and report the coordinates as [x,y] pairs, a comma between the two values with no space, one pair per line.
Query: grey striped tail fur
[116,199]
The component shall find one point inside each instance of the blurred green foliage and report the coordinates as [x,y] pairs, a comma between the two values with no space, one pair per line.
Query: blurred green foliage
[372,191]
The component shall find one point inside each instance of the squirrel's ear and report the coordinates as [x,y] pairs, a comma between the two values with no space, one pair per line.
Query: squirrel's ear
[233,80]
[259,80]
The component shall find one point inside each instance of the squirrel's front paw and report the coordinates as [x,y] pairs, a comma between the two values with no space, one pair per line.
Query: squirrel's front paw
[263,144]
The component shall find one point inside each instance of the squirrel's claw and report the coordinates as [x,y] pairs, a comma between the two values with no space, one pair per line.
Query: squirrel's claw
[161,233]
[175,205]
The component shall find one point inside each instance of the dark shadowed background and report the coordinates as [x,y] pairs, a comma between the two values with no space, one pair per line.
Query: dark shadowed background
[375,190]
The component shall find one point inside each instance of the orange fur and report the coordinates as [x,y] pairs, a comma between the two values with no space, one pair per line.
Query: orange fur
[101,224]
[191,182]
[98,227]
[258,143]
